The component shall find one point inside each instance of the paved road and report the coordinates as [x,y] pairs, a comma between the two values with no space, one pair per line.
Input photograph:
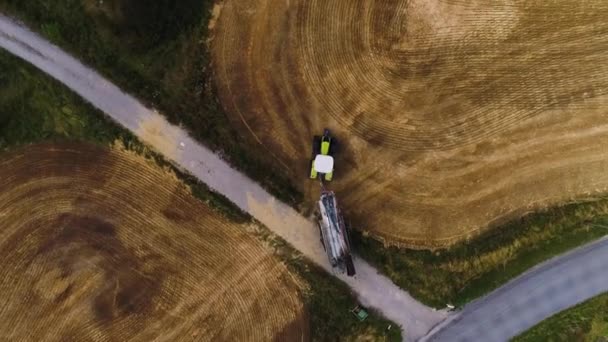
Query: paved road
[373,289]
[539,293]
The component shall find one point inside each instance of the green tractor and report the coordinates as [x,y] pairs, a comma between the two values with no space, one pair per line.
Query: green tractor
[322,163]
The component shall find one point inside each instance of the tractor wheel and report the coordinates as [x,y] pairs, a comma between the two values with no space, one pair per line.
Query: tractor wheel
[333,147]
[316,146]
[312,173]
[350,266]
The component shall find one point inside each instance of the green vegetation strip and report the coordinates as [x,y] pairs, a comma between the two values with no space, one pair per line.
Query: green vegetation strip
[35,108]
[469,270]
[157,51]
[587,321]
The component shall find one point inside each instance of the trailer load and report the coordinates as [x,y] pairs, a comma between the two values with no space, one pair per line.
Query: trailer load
[334,234]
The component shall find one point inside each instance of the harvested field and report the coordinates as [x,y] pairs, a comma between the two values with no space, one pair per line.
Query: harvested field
[102,245]
[453,116]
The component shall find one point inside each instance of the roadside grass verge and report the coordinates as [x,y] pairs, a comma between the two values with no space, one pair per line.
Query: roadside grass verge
[35,108]
[474,268]
[157,51]
[587,321]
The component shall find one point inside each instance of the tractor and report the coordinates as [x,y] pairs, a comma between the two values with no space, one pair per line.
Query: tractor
[322,162]
[334,233]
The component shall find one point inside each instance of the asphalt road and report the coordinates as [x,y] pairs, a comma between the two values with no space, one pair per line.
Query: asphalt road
[373,290]
[539,293]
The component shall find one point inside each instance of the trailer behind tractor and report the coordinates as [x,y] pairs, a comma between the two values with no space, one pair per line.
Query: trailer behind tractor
[334,233]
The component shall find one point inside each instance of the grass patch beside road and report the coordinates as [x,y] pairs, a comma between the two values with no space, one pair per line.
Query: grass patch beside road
[587,321]
[157,51]
[330,302]
[35,108]
[472,269]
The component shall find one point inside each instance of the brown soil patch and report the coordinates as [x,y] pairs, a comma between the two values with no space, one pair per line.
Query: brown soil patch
[158,132]
[452,115]
[101,245]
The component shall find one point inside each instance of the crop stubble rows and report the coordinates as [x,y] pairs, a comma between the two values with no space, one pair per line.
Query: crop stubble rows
[453,115]
[102,245]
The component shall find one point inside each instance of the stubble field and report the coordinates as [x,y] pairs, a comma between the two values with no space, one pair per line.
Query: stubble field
[453,116]
[102,245]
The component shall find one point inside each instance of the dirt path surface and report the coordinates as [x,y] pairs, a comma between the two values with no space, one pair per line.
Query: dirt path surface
[102,245]
[373,289]
[536,295]
[453,115]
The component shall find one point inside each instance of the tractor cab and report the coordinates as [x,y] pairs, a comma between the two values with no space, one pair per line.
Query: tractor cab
[322,163]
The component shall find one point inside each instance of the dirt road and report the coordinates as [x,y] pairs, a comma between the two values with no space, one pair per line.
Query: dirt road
[453,115]
[174,143]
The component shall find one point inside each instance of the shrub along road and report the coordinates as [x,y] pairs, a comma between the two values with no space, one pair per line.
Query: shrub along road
[545,290]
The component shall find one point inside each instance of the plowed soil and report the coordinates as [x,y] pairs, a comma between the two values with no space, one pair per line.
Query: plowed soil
[102,245]
[452,115]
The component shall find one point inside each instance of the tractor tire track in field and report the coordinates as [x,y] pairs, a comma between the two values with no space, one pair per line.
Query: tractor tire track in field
[373,290]
[102,245]
[454,116]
